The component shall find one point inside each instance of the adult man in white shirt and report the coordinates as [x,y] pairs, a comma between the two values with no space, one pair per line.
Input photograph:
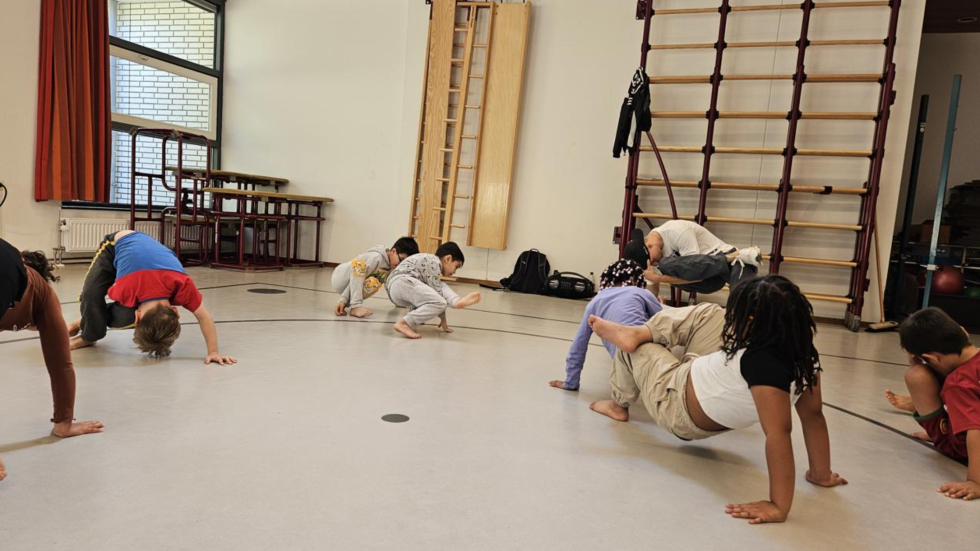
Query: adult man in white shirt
[686,255]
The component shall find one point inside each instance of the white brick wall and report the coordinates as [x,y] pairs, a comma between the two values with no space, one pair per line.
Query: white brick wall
[183,31]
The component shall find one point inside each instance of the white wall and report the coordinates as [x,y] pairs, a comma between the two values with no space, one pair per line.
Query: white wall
[941,57]
[23,222]
[313,93]
[328,94]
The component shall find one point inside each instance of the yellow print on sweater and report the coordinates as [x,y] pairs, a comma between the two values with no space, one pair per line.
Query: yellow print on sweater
[358,268]
[371,286]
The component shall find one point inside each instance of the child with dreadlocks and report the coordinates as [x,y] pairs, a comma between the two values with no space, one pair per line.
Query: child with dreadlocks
[623,299]
[747,365]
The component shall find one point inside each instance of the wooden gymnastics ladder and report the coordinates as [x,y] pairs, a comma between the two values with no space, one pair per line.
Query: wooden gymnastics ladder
[868,193]
[432,231]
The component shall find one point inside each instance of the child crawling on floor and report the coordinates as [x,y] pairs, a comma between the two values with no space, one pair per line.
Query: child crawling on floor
[752,363]
[944,382]
[417,284]
[622,299]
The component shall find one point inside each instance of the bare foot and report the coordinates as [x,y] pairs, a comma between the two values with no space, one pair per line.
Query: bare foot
[627,339]
[361,312]
[78,342]
[468,300]
[920,436]
[900,401]
[78,428]
[405,329]
[3,471]
[74,328]
[611,410]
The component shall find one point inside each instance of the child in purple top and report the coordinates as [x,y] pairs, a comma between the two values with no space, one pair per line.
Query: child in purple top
[624,298]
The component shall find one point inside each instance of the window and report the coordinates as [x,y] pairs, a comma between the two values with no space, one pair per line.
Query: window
[165,65]
[175,28]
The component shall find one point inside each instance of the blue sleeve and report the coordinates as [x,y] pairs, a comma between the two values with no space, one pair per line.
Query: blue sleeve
[576,354]
[651,304]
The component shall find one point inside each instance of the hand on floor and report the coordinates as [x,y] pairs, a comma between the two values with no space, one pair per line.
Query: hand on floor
[444,325]
[361,312]
[561,385]
[966,491]
[340,309]
[828,481]
[758,512]
[468,300]
[219,359]
[68,429]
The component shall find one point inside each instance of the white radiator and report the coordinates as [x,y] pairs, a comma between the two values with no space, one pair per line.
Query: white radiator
[83,235]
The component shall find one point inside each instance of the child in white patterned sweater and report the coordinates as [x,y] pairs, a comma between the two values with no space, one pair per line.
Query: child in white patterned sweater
[416,283]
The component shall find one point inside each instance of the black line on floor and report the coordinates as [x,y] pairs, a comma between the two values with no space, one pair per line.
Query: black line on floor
[475,310]
[864,360]
[882,425]
[343,320]
[469,309]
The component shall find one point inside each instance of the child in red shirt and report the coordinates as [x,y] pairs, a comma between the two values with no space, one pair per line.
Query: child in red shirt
[148,284]
[944,382]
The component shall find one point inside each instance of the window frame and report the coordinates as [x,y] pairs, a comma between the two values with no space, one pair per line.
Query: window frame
[165,62]
[133,121]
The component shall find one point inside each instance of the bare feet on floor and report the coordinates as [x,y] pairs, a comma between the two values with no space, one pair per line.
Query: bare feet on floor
[78,342]
[406,329]
[361,312]
[3,470]
[625,338]
[900,401]
[611,410]
[77,428]
[74,327]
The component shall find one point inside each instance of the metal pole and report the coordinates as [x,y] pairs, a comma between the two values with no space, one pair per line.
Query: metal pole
[862,247]
[954,101]
[903,240]
[663,171]
[644,10]
[790,152]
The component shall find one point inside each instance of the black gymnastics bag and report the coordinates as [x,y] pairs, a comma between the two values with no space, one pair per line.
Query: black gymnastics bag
[530,272]
[569,285]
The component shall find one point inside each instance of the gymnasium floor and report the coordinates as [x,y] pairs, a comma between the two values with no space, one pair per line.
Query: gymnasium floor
[287,450]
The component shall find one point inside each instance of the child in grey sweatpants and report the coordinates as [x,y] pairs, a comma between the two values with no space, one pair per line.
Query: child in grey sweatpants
[359,279]
[416,283]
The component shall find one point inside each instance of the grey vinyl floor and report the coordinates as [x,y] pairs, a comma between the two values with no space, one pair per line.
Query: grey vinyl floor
[287,449]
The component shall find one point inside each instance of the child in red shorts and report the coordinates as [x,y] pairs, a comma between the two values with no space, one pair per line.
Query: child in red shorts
[944,382]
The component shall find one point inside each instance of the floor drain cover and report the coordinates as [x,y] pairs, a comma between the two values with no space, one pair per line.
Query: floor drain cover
[395,418]
[263,291]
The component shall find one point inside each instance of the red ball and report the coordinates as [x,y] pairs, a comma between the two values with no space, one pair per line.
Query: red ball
[948,280]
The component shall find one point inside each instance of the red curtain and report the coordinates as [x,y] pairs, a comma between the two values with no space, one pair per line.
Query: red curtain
[71,161]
